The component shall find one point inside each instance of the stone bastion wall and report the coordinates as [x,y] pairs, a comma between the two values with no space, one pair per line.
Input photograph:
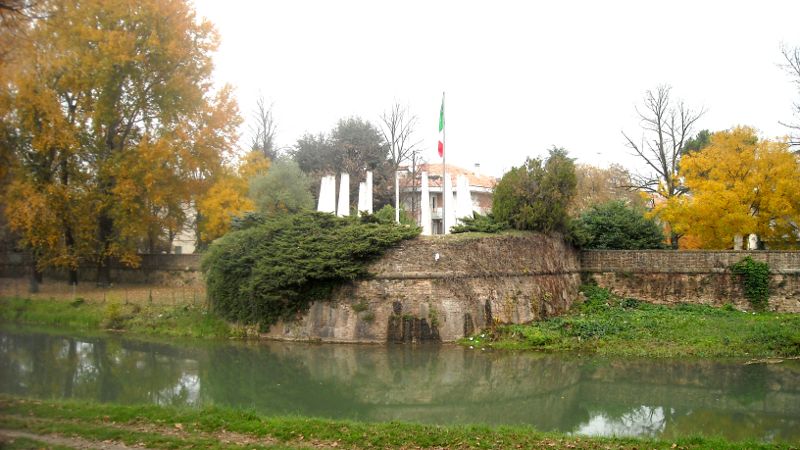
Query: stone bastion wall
[411,296]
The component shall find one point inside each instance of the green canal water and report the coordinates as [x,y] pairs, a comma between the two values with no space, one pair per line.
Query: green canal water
[430,384]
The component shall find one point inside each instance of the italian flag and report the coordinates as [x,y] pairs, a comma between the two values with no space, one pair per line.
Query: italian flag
[441,129]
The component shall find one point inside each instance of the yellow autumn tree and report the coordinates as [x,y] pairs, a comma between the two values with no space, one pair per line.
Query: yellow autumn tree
[227,197]
[738,184]
[596,185]
[113,126]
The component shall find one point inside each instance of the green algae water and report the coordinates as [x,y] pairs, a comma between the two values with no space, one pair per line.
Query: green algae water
[428,384]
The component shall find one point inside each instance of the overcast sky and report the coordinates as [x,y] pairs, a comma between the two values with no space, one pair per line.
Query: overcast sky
[519,76]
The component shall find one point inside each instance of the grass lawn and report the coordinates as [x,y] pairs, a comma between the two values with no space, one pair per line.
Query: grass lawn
[187,320]
[164,427]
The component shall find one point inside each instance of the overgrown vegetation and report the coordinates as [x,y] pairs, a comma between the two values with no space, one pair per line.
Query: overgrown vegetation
[186,320]
[479,223]
[217,427]
[755,281]
[611,325]
[614,225]
[276,269]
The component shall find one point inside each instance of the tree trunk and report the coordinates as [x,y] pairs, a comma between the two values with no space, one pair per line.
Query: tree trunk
[35,278]
[674,239]
[69,240]
[105,224]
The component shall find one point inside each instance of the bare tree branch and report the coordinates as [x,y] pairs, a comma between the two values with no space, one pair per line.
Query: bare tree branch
[666,128]
[397,127]
[792,67]
[263,133]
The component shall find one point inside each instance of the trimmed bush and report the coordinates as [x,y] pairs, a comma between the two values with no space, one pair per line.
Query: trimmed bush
[480,224]
[276,269]
[614,225]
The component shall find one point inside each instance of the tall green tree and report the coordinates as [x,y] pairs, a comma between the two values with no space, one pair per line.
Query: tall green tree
[700,141]
[353,146]
[283,189]
[536,195]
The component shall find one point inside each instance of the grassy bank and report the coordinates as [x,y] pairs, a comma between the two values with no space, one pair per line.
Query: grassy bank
[609,325]
[186,320]
[163,427]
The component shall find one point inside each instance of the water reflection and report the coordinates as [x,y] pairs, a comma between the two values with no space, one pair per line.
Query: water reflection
[435,384]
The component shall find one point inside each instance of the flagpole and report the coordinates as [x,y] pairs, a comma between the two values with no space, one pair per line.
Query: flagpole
[444,170]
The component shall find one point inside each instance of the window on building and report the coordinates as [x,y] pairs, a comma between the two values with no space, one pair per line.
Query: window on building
[177,249]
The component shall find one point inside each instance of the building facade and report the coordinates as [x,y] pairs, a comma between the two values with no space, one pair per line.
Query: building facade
[479,189]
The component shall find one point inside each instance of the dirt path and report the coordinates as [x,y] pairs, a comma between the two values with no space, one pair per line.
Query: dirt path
[54,439]
[177,430]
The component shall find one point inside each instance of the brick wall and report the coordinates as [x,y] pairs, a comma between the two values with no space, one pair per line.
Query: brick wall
[666,276]
[166,270]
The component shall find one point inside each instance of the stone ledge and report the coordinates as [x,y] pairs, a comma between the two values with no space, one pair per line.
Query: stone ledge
[457,275]
[711,271]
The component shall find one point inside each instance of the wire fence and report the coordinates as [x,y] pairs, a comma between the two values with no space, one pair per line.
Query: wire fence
[140,294]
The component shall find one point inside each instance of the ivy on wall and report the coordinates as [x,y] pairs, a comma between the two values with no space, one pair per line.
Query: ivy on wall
[754,276]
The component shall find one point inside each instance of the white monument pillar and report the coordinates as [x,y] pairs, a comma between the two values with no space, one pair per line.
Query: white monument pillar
[450,205]
[463,198]
[397,196]
[327,195]
[369,191]
[752,242]
[343,209]
[738,242]
[362,197]
[425,206]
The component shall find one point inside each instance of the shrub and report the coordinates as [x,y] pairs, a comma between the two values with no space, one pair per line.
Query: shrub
[754,276]
[273,270]
[385,215]
[614,225]
[535,196]
[479,223]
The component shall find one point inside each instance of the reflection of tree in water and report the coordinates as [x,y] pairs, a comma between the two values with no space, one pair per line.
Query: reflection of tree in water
[436,384]
[409,383]
[720,395]
[102,369]
[641,421]
[256,377]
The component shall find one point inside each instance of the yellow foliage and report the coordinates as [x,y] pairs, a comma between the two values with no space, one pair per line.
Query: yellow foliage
[116,128]
[255,163]
[738,185]
[224,200]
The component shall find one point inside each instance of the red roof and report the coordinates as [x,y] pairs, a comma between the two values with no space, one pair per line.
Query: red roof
[435,176]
